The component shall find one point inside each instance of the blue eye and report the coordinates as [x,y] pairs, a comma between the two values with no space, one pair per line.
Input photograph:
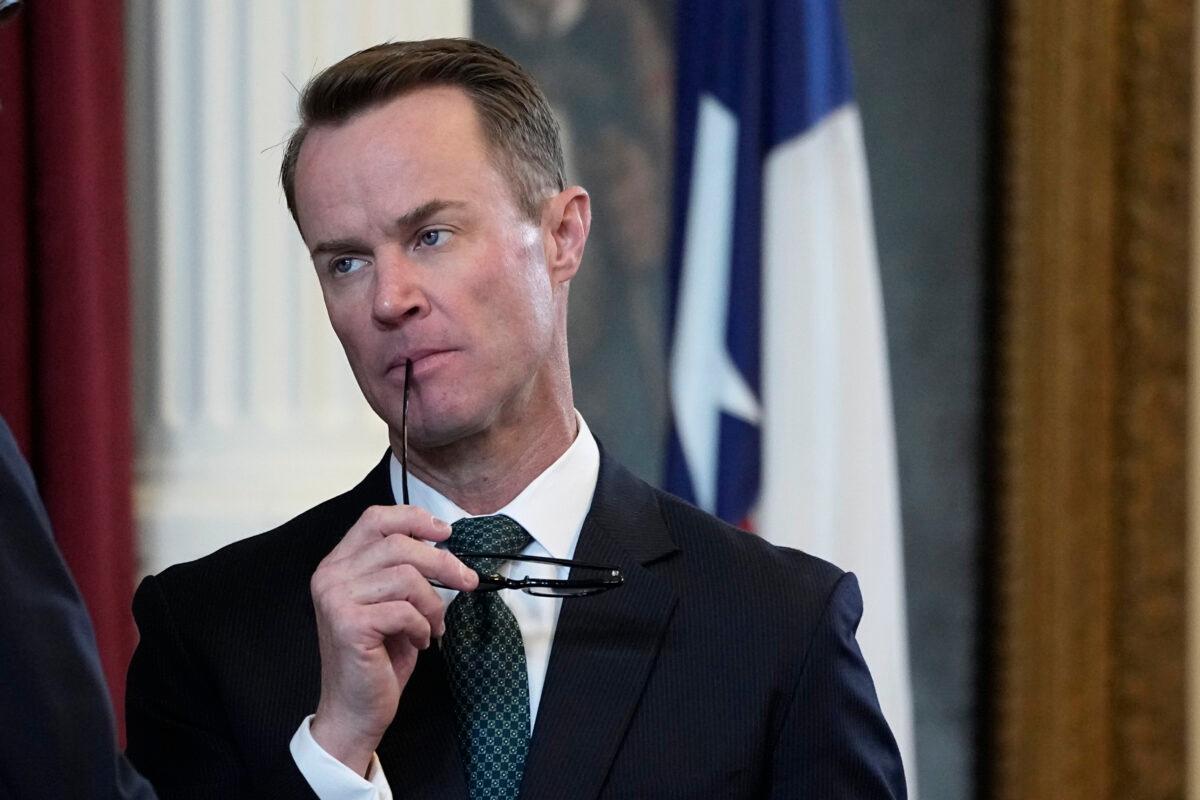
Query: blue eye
[346,265]
[433,237]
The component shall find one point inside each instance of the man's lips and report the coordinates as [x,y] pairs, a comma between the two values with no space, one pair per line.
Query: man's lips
[419,358]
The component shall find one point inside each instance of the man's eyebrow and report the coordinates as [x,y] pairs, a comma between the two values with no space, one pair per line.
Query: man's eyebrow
[336,246]
[409,219]
[424,211]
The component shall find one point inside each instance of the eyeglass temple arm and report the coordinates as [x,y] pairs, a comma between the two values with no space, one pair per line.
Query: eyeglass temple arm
[560,562]
[404,433]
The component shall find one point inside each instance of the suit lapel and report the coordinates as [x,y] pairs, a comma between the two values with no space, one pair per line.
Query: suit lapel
[604,646]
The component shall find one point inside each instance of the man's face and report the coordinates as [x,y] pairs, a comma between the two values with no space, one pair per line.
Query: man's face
[423,254]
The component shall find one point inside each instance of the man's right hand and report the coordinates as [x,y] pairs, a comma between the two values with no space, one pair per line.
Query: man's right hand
[375,612]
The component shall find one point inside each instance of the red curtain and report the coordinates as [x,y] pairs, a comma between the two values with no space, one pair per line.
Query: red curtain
[64,293]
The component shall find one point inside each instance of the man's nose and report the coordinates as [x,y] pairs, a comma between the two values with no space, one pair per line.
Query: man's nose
[399,293]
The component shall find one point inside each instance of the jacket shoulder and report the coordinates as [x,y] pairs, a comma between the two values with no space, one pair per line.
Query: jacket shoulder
[705,538]
[285,555]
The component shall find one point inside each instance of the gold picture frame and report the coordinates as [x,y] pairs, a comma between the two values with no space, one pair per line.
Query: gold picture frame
[1088,684]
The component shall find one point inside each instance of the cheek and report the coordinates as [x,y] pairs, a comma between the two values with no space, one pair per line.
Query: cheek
[355,342]
[346,312]
[535,289]
[517,318]
[543,307]
[342,326]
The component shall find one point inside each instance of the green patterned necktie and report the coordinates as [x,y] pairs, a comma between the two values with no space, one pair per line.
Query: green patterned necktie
[485,660]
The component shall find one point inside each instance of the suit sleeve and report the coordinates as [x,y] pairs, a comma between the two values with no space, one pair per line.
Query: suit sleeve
[176,732]
[175,720]
[834,742]
[58,737]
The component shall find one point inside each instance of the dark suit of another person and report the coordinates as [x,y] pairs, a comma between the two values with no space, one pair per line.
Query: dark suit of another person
[725,667]
[57,737]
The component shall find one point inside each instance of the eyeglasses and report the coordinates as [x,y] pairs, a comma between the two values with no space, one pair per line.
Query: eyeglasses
[597,578]
[485,564]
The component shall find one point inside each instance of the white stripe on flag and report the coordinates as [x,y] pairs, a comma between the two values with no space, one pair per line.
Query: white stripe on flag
[704,380]
[829,462]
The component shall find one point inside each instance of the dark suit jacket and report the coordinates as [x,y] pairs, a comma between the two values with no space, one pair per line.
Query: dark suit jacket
[724,668]
[57,737]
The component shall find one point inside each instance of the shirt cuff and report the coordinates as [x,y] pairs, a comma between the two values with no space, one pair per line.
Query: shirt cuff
[329,778]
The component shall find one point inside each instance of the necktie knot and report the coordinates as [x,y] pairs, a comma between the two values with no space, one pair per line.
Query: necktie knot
[497,534]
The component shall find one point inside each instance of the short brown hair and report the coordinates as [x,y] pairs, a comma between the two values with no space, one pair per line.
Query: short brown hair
[516,118]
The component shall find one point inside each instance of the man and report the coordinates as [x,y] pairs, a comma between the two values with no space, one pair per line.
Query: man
[58,738]
[426,181]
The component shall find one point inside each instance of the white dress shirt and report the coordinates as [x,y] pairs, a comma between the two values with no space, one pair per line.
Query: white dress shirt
[552,509]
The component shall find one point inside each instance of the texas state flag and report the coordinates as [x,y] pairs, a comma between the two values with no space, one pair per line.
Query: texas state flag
[780,397]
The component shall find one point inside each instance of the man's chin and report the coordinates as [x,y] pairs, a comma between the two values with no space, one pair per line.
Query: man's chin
[447,432]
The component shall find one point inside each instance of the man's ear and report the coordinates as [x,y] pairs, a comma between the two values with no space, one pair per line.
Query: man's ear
[566,220]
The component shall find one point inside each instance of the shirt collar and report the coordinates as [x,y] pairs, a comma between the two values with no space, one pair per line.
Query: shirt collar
[551,508]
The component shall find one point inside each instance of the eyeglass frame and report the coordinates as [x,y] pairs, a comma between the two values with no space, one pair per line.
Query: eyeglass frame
[493,581]
[578,587]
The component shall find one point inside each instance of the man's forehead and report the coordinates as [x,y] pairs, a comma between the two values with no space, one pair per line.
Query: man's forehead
[422,146]
[446,111]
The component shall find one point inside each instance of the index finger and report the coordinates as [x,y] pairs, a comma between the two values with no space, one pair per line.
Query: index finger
[433,563]
[379,522]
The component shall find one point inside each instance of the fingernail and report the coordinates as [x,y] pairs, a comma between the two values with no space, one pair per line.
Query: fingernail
[441,524]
